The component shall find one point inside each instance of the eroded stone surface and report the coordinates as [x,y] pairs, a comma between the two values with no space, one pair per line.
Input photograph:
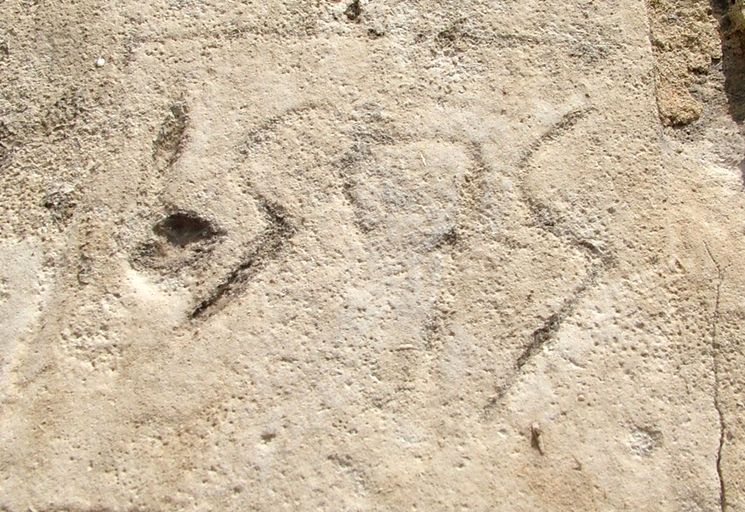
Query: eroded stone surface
[377,255]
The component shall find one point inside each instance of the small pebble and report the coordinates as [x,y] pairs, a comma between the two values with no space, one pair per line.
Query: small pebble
[100,62]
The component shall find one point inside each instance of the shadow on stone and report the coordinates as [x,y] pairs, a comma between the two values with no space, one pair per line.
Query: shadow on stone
[733,59]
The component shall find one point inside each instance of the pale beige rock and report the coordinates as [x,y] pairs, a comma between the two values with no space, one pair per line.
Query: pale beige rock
[374,255]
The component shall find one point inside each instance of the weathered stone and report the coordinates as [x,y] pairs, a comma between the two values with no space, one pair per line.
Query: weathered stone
[371,255]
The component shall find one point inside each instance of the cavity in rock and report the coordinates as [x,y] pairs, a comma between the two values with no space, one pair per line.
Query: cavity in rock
[184,228]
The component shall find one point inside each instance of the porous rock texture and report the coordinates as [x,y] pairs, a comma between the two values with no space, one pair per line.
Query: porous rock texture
[371,255]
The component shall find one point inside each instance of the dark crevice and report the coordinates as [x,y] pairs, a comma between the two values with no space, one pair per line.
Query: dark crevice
[732,34]
[733,58]
[353,11]
[184,228]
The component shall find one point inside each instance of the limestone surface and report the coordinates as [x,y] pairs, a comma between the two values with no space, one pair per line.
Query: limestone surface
[371,255]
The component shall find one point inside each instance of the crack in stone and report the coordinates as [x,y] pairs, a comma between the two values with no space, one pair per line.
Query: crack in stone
[715,368]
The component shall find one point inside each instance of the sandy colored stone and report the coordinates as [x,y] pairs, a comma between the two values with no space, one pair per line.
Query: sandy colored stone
[370,255]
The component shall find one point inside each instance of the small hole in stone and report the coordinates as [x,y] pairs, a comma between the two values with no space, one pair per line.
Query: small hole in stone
[268,437]
[375,32]
[354,10]
[183,228]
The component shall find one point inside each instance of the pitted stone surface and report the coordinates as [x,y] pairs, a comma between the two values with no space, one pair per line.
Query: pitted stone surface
[371,255]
